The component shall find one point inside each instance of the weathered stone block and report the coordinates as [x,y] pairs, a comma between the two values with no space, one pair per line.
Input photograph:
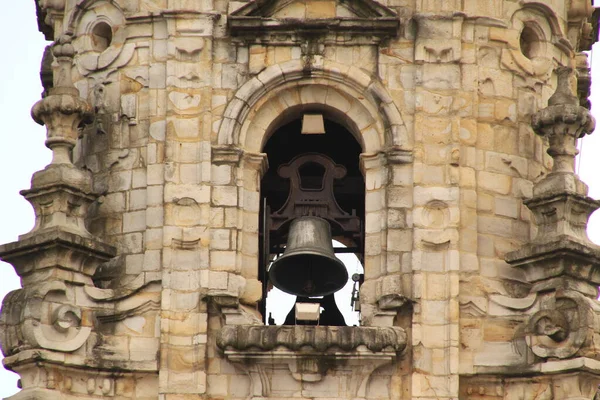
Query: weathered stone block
[496,183]
[225,195]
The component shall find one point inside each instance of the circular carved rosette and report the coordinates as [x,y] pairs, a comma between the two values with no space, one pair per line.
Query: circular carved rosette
[560,331]
[42,317]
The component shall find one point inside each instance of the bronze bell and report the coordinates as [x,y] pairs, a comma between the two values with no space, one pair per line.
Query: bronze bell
[308,266]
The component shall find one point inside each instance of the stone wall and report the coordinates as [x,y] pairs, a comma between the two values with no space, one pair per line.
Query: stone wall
[181,99]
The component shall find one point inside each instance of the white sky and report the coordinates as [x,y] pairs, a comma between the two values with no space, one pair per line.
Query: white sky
[280,303]
[22,150]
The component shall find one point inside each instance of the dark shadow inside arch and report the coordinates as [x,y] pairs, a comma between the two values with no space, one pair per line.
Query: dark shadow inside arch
[337,143]
[333,118]
[286,143]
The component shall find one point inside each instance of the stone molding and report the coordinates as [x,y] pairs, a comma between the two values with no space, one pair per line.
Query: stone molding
[236,157]
[26,325]
[373,30]
[564,256]
[362,8]
[226,155]
[55,248]
[245,125]
[319,339]
[372,20]
[310,370]
[311,353]
[560,329]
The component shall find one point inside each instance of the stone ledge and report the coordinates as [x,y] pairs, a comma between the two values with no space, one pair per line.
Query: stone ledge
[307,339]
[39,357]
[310,354]
[548,367]
[562,256]
[53,237]
[71,256]
[562,244]
[251,26]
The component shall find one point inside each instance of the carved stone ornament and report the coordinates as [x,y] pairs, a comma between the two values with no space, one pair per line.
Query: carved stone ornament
[560,262]
[62,110]
[312,354]
[44,314]
[428,47]
[528,55]
[582,30]
[118,51]
[61,193]
[25,324]
[563,325]
[364,18]
[561,249]
[563,122]
[315,338]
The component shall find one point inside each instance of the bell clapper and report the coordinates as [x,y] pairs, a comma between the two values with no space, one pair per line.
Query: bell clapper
[309,287]
[355,299]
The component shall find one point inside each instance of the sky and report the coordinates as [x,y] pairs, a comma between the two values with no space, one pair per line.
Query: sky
[22,150]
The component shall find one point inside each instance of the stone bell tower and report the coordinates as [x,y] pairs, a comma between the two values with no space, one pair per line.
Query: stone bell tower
[435,139]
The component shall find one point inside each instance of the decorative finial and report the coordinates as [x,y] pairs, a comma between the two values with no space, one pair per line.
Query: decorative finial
[563,93]
[63,52]
[563,122]
[561,254]
[62,110]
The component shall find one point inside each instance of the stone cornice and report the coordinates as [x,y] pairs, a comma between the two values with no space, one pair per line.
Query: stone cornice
[257,19]
[259,26]
[47,249]
[47,357]
[311,338]
[563,256]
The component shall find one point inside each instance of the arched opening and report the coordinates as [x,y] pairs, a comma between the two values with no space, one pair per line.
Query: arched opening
[529,42]
[372,123]
[315,175]
[101,36]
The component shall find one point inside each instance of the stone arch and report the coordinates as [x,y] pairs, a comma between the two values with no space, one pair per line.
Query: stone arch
[79,11]
[546,45]
[545,11]
[82,20]
[372,115]
[544,22]
[350,97]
